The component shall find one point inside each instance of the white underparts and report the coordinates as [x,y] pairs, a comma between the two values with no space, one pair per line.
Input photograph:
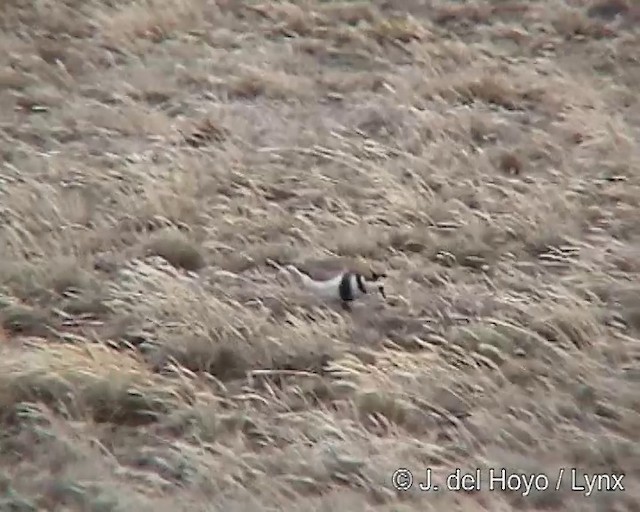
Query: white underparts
[329,289]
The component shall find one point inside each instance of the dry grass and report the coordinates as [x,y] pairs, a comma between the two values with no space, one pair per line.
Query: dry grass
[157,155]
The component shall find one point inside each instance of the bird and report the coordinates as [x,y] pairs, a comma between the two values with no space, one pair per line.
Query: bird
[337,279]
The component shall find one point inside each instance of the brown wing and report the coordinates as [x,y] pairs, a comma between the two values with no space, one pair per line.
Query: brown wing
[327,268]
[322,269]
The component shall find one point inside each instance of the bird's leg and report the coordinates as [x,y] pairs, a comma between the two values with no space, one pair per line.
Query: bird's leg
[346,306]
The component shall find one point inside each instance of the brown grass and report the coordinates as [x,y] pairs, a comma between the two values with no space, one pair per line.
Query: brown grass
[158,157]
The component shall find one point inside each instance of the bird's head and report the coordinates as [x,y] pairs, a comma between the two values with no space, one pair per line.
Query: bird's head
[374,282]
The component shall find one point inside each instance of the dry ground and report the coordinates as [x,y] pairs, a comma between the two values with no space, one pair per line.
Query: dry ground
[156,154]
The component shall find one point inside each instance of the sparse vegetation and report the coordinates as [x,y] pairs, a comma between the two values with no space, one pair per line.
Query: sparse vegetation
[158,155]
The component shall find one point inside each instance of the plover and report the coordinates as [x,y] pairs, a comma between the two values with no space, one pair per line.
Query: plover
[337,279]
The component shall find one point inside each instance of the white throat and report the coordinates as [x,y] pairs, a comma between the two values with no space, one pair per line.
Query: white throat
[355,289]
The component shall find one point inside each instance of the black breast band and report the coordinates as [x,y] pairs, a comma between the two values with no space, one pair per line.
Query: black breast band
[346,293]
